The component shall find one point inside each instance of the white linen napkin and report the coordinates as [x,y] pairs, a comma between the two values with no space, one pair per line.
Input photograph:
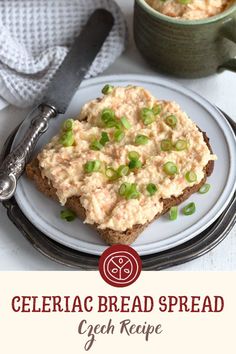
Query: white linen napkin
[35,36]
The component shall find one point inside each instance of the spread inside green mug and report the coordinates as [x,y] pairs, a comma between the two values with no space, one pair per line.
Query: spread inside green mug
[151,11]
[190,9]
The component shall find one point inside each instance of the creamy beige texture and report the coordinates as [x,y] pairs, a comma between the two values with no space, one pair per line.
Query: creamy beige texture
[192,10]
[63,166]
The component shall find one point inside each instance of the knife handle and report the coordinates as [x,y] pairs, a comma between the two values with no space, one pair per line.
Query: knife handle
[14,164]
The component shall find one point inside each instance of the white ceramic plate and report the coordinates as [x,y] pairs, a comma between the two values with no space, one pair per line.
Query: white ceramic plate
[161,234]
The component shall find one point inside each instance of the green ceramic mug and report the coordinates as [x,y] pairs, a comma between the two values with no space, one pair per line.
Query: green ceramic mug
[186,48]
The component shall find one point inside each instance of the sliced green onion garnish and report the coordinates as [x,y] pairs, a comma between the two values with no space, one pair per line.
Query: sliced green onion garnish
[111,173]
[111,123]
[92,166]
[170,168]
[171,120]
[151,188]
[104,138]
[181,145]
[133,155]
[132,193]
[125,122]
[97,165]
[102,168]
[190,176]
[173,213]
[184,2]
[205,188]
[107,115]
[129,191]
[68,124]
[156,109]
[118,125]
[124,187]
[67,215]
[189,209]
[166,145]
[148,121]
[96,145]
[67,139]
[119,135]
[147,116]
[133,164]
[107,89]
[123,170]
[141,139]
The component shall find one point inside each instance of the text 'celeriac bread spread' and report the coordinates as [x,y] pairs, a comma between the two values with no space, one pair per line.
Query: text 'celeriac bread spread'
[125,160]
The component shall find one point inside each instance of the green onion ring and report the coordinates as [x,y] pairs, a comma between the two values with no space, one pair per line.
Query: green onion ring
[125,123]
[95,145]
[124,187]
[68,124]
[67,215]
[104,138]
[119,135]
[67,139]
[189,209]
[181,145]
[171,120]
[166,145]
[151,188]
[190,176]
[173,213]
[92,166]
[107,115]
[156,109]
[147,116]
[111,173]
[123,170]
[107,89]
[205,188]
[133,155]
[170,168]
[135,164]
[141,139]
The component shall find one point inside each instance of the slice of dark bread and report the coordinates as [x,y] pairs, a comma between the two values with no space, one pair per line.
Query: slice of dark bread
[110,236]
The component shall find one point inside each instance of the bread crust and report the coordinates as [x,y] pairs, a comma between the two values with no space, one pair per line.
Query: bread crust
[110,236]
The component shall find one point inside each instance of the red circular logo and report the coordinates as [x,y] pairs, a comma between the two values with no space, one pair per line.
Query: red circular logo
[120,265]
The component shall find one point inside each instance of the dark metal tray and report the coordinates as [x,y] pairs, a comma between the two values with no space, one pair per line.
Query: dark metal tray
[198,246]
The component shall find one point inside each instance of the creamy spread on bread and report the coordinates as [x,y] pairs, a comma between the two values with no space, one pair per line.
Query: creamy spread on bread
[190,9]
[64,166]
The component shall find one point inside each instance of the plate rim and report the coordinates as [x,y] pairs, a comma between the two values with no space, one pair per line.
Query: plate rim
[207,106]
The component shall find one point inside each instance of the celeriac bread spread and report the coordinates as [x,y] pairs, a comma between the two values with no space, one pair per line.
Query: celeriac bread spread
[190,9]
[123,155]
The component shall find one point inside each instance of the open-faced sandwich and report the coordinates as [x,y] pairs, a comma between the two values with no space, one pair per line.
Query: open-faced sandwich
[124,161]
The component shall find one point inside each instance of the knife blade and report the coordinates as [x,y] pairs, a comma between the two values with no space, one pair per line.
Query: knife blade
[78,61]
[57,97]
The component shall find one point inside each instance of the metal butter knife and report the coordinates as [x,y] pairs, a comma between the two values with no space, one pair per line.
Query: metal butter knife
[57,97]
